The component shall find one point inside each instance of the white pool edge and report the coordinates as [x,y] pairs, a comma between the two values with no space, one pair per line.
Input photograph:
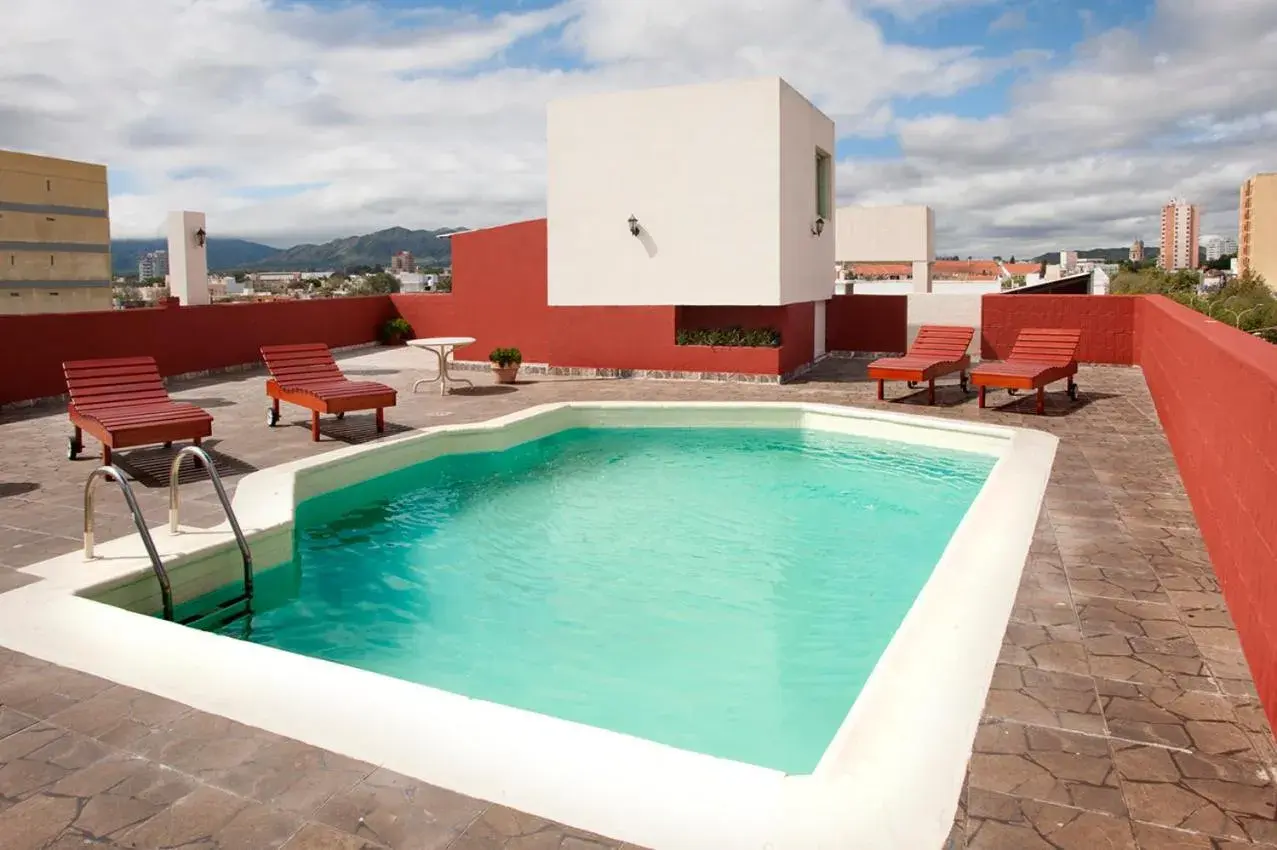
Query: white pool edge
[889,779]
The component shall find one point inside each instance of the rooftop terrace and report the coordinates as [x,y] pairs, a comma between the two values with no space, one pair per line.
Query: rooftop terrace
[1122,715]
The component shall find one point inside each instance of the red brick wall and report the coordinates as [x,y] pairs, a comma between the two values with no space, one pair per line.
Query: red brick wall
[1215,389]
[186,339]
[798,335]
[1107,323]
[867,323]
[499,298]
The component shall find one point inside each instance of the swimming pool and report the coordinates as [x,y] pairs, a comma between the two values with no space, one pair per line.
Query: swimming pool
[722,590]
[889,776]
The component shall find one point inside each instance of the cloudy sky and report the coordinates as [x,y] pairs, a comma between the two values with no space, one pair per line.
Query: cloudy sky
[1027,124]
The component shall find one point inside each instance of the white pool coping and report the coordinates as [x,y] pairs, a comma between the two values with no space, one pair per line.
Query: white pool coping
[890,777]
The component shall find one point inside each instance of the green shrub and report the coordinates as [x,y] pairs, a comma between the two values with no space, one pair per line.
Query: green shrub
[734,337]
[504,357]
[396,328]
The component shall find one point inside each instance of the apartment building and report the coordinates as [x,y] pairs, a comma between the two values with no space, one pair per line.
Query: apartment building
[403,262]
[1180,236]
[55,235]
[1257,227]
[152,264]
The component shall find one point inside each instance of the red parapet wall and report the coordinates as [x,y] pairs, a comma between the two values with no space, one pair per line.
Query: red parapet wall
[1107,323]
[499,297]
[1215,389]
[874,323]
[184,339]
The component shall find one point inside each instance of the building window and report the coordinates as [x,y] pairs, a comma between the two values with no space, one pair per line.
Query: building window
[48,185]
[50,259]
[824,184]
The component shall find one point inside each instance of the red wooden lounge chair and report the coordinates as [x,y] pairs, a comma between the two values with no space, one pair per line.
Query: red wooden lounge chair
[1039,357]
[938,350]
[122,402]
[307,375]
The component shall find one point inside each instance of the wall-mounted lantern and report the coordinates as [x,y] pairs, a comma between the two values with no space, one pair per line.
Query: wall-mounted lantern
[634,226]
[200,237]
[819,227]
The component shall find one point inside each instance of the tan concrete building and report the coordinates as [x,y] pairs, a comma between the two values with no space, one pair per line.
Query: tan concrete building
[1180,236]
[1257,227]
[55,235]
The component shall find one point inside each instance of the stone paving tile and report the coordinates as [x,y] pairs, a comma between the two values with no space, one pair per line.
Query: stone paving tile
[1049,647]
[401,813]
[1002,822]
[1215,795]
[212,819]
[317,836]
[1121,714]
[1049,765]
[120,716]
[1045,698]
[1170,717]
[294,776]
[205,745]
[500,828]
[39,756]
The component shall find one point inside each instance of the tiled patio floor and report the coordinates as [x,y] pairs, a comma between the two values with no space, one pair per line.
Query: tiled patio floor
[1121,716]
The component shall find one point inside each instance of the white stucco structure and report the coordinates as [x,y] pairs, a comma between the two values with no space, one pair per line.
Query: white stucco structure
[889,234]
[187,259]
[722,180]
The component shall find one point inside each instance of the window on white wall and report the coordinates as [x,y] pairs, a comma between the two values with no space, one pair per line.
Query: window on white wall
[824,184]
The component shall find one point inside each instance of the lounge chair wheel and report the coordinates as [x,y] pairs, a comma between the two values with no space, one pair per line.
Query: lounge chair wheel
[73,448]
[962,382]
[1073,392]
[913,385]
[341,415]
[168,444]
[1013,392]
[272,417]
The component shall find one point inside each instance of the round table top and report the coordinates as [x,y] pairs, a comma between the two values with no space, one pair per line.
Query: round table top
[436,341]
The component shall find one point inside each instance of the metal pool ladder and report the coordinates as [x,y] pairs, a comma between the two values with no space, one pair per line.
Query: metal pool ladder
[113,473]
[231,608]
[226,610]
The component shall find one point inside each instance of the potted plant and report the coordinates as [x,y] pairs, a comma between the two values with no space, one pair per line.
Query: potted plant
[396,331]
[505,364]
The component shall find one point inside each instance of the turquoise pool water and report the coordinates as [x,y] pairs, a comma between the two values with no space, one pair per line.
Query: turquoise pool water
[726,591]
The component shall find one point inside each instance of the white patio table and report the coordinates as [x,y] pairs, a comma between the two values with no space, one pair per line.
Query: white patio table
[442,346]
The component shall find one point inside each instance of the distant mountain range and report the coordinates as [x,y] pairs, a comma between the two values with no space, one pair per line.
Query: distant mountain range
[1109,255]
[222,253]
[428,247]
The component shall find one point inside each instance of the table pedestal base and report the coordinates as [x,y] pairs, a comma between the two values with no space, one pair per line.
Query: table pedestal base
[443,378]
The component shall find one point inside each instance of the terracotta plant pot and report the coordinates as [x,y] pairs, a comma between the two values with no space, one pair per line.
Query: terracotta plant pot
[505,374]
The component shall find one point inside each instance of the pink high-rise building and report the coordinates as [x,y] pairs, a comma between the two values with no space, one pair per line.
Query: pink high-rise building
[1180,223]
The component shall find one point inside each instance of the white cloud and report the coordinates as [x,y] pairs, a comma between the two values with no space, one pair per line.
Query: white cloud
[436,118]
[1087,154]
[421,123]
[1011,19]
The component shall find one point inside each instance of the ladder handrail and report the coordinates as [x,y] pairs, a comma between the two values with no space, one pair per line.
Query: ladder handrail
[113,473]
[174,504]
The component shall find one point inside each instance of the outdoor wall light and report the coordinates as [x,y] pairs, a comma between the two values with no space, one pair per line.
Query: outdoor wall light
[634,226]
[819,227]
[200,236]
